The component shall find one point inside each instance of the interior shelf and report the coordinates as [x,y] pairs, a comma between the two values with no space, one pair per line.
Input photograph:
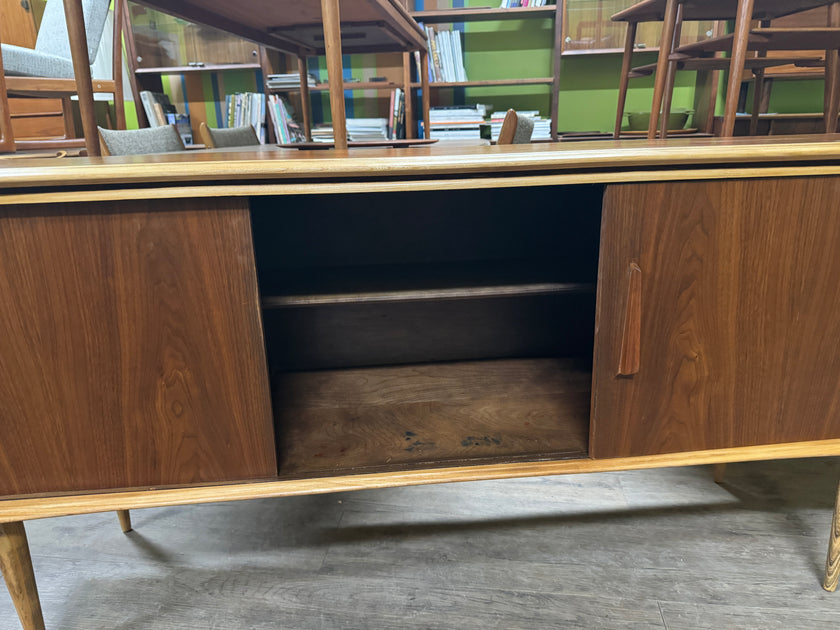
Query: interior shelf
[199,68]
[489,83]
[483,14]
[409,283]
[397,417]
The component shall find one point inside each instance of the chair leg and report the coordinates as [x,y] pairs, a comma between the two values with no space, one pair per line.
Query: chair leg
[832,562]
[16,566]
[668,26]
[736,65]
[626,62]
[125,520]
[672,76]
[81,68]
[7,135]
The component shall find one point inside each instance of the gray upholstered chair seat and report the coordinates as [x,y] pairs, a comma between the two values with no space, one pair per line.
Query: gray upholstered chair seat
[27,62]
[228,137]
[141,141]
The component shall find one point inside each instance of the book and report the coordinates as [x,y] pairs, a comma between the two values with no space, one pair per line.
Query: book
[156,105]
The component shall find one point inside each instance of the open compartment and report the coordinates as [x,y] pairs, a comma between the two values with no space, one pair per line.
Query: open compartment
[410,330]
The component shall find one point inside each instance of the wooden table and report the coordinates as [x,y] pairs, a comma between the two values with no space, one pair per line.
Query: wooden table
[425,314]
[673,12]
[306,28]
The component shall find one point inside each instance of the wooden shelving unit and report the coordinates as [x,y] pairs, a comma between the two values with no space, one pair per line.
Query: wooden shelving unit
[554,11]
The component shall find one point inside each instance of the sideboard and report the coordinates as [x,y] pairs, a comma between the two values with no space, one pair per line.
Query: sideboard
[220,326]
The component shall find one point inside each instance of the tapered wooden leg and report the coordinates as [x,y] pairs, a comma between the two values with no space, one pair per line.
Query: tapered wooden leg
[832,562]
[672,77]
[626,63]
[7,136]
[81,67]
[125,520]
[736,65]
[16,566]
[661,78]
[332,44]
[720,472]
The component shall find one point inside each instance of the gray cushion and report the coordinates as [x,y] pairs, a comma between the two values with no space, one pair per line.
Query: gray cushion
[234,137]
[30,63]
[141,141]
[524,129]
[52,34]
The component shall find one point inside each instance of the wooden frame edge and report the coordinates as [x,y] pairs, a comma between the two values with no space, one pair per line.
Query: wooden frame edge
[12,510]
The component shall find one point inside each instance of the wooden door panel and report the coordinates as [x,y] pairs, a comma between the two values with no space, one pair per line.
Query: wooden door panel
[131,347]
[739,340]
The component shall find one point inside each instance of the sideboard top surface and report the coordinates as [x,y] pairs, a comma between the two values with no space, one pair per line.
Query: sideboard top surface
[606,161]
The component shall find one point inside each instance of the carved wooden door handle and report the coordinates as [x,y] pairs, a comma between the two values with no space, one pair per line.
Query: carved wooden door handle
[631,338]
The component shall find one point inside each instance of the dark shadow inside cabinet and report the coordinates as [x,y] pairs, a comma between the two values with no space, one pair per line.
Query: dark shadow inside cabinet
[428,329]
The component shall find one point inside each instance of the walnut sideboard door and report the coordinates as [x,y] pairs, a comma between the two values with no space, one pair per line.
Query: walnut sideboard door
[718,316]
[131,345]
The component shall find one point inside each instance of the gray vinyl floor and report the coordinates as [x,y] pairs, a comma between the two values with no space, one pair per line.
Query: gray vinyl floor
[648,549]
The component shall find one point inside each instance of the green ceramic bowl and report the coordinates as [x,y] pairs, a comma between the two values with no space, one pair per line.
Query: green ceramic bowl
[639,121]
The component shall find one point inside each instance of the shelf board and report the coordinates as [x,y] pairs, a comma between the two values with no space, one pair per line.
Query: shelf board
[411,416]
[354,85]
[489,83]
[204,68]
[411,283]
[446,16]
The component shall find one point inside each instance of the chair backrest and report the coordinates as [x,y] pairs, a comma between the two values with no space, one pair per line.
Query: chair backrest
[52,34]
[140,141]
[515,129]
[244,136]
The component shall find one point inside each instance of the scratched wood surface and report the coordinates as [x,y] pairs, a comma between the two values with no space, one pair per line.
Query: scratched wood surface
[740,342]
[392,417]
[646,549]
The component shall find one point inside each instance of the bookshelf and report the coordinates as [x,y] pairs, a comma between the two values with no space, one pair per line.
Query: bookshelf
[486,14]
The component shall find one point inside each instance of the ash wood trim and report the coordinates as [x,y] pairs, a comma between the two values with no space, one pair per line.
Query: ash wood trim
[48,507]
[328,188]
[16,567]
[132,345]
[738,330]
[281,165]
[832,561]
[631,340]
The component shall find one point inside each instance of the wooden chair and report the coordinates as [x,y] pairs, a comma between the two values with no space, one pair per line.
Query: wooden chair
[49,71]
[232,137]
[165,139]
[515,129]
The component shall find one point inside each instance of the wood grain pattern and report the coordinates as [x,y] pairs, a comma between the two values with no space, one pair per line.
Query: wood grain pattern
[132,347]
[47,507]
[16,566]
[391,417]
[739,332]
[832,561]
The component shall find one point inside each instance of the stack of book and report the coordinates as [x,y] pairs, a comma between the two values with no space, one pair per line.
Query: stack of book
[456,122]
[367,129]
[286,129]
[510,4]
[290,81]
[446,56]
[246,108]
[160,111]
[396,115]
[542,126]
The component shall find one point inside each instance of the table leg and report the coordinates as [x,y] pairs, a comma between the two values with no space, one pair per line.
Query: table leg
[736,65]
[626,63]
[81,68]
[427,98]
[305,101]
[16,566]
[832,562]
[332,42]
[410,129]
[661,77]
